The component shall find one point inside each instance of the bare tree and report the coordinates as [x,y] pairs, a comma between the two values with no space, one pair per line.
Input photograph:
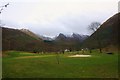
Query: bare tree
[93,27]
[2,7]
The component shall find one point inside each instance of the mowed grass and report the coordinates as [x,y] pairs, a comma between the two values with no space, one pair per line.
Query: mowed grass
[29,65]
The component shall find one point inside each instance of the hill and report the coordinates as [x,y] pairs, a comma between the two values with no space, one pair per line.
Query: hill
[30,33]
[25,40]
[107,34]
[14,39]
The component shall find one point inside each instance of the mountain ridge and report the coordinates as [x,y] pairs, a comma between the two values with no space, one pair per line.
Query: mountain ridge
[73,36]
[30,33]
[26,40]
[107,32]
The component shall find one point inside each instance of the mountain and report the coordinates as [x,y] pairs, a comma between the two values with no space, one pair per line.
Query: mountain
[60,37]
[25,40]
[30,33]
[107,34]
[74,36]
[79,37]
[72,41]
[14,39]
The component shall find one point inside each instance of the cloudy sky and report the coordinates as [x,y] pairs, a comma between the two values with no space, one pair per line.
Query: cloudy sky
[51,17]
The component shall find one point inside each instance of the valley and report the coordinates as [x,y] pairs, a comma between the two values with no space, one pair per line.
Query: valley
[84,42]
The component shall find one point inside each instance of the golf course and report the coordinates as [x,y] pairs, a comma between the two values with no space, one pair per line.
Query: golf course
[17,64]
[59,39]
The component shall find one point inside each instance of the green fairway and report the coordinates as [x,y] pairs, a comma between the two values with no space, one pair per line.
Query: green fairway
[28,65]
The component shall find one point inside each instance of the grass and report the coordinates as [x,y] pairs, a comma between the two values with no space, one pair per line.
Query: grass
[46,66]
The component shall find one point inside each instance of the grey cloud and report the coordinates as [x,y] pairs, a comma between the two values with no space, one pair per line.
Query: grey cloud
[65,24]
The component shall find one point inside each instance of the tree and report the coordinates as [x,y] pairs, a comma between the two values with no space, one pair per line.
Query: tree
[2,7]
[94,27]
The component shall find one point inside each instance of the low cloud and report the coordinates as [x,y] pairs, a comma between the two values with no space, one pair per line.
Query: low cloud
[65,24]
[52,17]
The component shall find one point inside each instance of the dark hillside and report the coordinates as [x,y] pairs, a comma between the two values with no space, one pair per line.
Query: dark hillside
[107,34]
[13,39]
[30,33]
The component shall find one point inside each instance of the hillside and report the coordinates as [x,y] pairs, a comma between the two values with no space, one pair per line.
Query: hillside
[107,34]
[14,39]
[26,40]
[30,33]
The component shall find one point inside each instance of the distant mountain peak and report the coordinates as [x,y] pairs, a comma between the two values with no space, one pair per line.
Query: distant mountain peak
[61,34]
[74,36]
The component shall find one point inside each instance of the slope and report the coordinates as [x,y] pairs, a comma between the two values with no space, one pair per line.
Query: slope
[14,39]
[107,34]
[30,33]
